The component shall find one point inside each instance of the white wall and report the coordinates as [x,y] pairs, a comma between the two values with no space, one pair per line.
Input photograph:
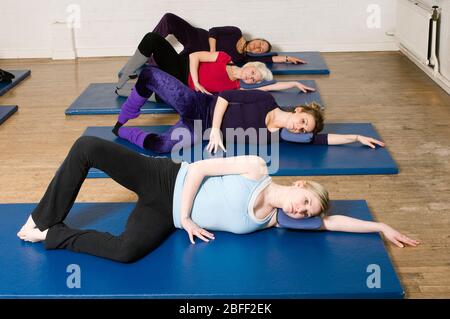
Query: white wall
[114,27]
[25,29]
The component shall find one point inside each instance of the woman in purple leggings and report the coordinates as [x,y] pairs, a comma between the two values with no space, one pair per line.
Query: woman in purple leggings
[230,110]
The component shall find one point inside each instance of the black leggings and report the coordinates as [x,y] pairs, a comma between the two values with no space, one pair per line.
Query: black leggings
[165,56]
[150,222]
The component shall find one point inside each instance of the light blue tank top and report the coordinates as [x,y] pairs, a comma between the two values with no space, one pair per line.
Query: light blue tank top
[222,203]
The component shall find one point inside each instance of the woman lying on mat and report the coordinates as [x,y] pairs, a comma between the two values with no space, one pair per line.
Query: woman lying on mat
[230,110]
[208,72]
[211,72]
[174,196]
[227,39]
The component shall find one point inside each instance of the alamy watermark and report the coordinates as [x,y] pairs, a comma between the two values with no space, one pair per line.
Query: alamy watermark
[73,18]
[251,141]
[373,21]
[374,279]
[74,279]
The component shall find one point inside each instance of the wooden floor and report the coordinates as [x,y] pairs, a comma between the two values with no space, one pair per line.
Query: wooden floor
[410,111]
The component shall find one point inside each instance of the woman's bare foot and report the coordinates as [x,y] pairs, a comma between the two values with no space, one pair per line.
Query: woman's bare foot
[33,235]
[28,225]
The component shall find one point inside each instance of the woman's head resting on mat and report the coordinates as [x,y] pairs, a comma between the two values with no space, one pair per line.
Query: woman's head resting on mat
[258,46]
[306,199]
[255,72]
[306,118]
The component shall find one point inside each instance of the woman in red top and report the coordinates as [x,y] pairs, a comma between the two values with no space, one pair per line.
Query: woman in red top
[213,72]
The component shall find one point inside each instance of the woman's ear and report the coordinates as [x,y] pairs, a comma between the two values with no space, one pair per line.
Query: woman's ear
[300,184]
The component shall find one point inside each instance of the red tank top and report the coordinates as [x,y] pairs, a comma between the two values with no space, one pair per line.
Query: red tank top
[213,75]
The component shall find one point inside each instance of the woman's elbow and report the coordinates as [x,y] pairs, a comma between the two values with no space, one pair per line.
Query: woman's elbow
[259,164]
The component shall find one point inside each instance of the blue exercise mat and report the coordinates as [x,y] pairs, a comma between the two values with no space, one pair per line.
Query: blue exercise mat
[99,98]
[294,97]
[295,159]
[315,64]
[274,263]
[20,76]
[6,111]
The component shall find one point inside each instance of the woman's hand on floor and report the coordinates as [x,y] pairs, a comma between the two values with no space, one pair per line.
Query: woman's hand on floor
[194,230]
[397,238]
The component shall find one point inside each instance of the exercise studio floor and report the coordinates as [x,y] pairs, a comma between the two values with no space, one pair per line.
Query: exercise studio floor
[411,113]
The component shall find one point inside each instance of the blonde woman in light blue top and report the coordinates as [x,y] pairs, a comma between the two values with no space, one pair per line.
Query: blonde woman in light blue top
[233,194]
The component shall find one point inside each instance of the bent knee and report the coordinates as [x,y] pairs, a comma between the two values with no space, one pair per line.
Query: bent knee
[149,42]
[85,142]
[169,17]
[130,253]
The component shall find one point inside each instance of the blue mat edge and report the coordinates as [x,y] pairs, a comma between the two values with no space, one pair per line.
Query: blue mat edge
[13,110]
[299,72]
[95,173]
[302,72]
[15,81]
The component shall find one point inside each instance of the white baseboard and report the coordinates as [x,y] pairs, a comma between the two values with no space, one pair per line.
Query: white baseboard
[443,82]
[338,47]
[25,53]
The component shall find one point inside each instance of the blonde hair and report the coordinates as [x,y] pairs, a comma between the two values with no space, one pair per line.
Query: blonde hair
[262,68]
[322,195]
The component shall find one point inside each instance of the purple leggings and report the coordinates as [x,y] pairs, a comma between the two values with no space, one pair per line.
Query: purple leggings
[193,39]
[190,105]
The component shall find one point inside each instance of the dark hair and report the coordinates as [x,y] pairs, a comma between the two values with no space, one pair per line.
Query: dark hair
[269,46]
[313,109]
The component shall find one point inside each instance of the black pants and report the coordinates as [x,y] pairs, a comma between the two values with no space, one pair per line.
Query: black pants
[150,222]
[165,56]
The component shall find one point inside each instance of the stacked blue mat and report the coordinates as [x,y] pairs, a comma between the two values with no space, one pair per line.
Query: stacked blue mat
[6,111]
[20,75]
[274,263]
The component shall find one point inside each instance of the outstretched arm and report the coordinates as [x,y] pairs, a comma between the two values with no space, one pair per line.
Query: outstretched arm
[194,62]
[251,166]
[353,225]
[279,86]
[287,59]
[338,139]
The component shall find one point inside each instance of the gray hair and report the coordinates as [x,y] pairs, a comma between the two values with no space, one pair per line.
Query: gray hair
[262,68]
